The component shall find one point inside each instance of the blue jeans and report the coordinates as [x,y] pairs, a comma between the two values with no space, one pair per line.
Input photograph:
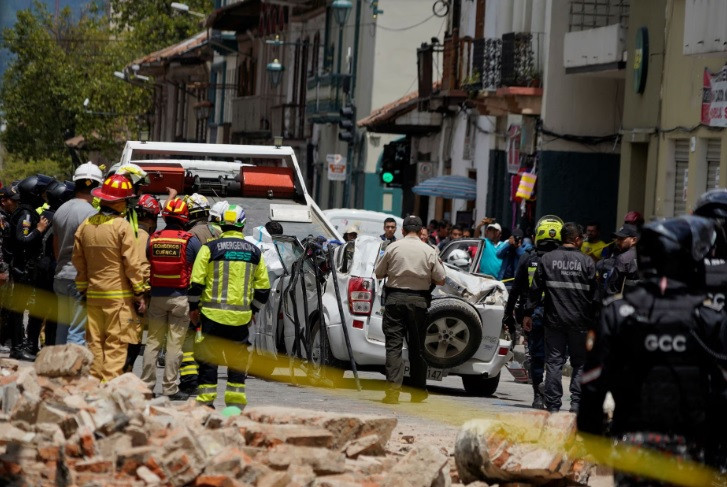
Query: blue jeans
[72,314]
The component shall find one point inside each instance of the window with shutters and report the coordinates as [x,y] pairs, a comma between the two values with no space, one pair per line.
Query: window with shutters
[681,175]
[714,147]
[246,76]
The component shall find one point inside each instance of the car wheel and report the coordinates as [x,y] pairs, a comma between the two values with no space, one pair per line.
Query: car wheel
[324,365]
[452,334]
[480,385]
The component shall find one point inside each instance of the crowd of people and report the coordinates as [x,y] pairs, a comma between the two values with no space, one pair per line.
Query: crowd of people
[641,317]
[86,260]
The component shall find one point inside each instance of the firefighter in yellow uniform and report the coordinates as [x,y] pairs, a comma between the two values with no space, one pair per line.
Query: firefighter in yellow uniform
[229,285]
[113,275]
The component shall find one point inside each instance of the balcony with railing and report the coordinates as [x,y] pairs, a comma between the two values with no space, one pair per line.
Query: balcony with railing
[252,116]
[498,75]
[288,121]
[596,37]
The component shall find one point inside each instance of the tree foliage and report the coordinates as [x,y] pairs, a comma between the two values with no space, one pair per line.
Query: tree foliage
[58,62]
[17,168]
[151,25]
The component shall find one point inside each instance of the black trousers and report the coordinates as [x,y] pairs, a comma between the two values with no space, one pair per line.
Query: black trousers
[536,348]
[404,313]
[559,342]
[230,351]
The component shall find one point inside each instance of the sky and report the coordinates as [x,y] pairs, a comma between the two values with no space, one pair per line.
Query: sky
[7,16]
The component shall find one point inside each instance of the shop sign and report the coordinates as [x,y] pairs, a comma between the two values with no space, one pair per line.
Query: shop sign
[714,98]
[336,167]
[641,59]
[514,136]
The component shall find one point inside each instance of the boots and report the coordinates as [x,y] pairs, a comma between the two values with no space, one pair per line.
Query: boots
[19,352]
[18,349]
[538,400]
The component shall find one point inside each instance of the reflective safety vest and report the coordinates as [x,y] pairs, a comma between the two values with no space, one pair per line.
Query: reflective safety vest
[168,259]
[229,280]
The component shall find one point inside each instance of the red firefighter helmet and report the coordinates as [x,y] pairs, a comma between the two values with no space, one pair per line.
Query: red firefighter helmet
[176,208]
[149,204]
[114,188]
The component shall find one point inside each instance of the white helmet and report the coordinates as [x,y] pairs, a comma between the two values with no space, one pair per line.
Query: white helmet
[218,209]
[88,171]
[199,206]
[234,215]
[134,173]
[459,258]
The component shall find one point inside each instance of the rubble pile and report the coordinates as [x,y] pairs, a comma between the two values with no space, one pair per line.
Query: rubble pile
[59,426]
[535,448]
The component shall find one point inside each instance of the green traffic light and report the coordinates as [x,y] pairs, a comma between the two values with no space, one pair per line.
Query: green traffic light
[387,177]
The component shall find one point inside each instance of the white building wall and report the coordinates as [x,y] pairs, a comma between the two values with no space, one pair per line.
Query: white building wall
[483,145]
[576,104]
[392,73]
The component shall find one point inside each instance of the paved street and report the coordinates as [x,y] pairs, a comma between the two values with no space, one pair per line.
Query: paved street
[436,421]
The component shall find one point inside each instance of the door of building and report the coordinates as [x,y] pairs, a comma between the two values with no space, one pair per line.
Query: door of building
[714,147]
[681,175]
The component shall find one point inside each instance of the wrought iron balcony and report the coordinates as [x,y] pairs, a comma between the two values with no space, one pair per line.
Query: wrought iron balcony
[252,115]
[521,62]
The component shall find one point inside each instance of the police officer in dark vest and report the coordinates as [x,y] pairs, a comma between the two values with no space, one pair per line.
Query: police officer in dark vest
[658,349]
[547,238]
[713,205]
[27,228]
[567,279]
[411,267]
[624,274]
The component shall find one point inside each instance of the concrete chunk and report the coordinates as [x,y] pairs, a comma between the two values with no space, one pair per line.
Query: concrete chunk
[63,361]
[423,466]
[343,427]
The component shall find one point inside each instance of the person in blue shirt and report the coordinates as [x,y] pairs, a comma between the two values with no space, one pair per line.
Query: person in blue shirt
[510,252]
[490,263]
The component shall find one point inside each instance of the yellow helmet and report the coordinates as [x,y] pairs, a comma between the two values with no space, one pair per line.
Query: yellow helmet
[548,229]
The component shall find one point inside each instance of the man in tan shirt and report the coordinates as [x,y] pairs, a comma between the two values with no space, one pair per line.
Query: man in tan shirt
[411,267]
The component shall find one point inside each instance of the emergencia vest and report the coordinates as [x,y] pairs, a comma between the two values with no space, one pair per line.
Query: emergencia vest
[168,259]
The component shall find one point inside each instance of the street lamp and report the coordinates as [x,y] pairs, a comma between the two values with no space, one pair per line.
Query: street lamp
[275,69]
[341,9]
[202,109]
[183,7]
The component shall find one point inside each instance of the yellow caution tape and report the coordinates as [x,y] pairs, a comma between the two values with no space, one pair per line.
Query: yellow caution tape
[643,462]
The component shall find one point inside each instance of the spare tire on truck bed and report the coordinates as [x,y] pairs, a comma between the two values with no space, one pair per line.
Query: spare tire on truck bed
[451,334]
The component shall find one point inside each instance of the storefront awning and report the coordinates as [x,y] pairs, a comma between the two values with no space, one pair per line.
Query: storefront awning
[448,187]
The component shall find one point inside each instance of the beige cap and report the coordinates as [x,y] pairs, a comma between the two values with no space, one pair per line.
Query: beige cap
[352,229]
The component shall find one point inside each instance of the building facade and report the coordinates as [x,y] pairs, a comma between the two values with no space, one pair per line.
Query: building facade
[673,126]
